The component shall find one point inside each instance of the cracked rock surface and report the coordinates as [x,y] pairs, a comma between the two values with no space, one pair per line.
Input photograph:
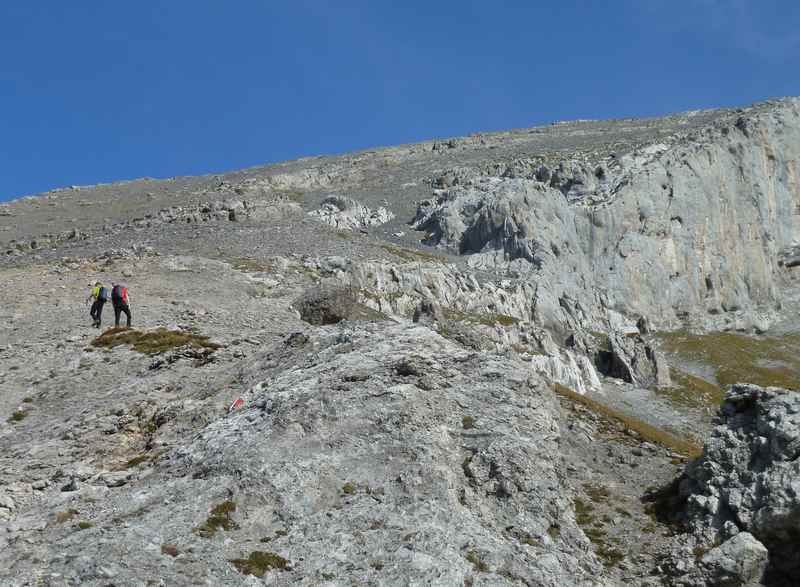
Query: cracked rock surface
[489,360]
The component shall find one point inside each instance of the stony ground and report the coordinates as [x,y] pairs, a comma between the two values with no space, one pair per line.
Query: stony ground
[433,436]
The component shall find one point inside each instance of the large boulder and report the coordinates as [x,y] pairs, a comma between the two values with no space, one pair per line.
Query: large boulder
[331,304]
[748,478]
[738,562]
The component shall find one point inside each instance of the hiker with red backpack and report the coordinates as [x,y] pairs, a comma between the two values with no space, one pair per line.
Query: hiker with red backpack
[120,300]
[100,296]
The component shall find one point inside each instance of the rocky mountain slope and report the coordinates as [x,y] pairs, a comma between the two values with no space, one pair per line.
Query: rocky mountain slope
[489,360]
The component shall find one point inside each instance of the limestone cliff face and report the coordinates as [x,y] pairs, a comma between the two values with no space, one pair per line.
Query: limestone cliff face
[694,225]
[700,228]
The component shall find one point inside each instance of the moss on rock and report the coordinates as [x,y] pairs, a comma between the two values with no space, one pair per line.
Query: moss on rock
[152,342]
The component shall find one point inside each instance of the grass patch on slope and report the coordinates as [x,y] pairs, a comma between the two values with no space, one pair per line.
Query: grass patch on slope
[259,562]
[152,342]
[739,358]
[594,530]
[220,517]
[646,431]
[690,391]
[411,255]
[18,416]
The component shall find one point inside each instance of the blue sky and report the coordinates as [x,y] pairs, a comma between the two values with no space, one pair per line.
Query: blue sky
[95,91]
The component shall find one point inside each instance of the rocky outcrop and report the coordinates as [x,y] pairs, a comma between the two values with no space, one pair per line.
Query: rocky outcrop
[471,491]
[748,481]
[47,240]
[227,210]
[627,356]
[369,453]
[699,226]
[485,315]
[348,214]
[231,209]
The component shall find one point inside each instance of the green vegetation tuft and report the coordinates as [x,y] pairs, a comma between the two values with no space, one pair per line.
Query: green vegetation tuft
[645,430]
[736,358]
[690,391]
[18,416]
[152,342]
[259,562]
[83,525]
[609,555]
[348,488]
[583,512]
[650,528]
[477,562]
[623,512]
[137,461]
[595,530]
[504,319]
[597,493]
[220,518]
[468,422]
[27,400]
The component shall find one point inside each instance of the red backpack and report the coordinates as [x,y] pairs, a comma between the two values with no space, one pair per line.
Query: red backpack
[119,293]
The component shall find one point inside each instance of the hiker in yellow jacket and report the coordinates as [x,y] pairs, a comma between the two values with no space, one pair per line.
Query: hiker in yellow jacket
[100,296]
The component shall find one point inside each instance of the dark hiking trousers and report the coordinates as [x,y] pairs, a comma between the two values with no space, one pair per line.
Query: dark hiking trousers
[97,310]
[121,309]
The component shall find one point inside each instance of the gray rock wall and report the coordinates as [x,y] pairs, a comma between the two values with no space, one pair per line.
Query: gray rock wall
[696,228]
[700,228]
